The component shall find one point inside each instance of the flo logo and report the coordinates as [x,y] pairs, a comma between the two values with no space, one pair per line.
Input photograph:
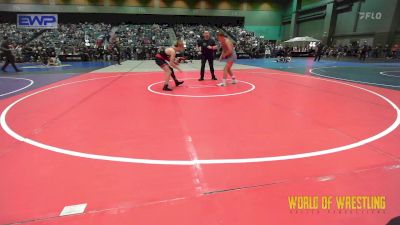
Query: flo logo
[370,15]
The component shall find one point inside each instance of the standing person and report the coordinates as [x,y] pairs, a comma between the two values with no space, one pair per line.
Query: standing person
[128,52]
[363,51]
[267,52]
[318,52]
[117,51]
[229,56]
[166,59]
[6,52]
[387,52]
[207,47]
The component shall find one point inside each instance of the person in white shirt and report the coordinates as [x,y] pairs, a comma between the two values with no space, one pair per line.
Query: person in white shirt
[267,52]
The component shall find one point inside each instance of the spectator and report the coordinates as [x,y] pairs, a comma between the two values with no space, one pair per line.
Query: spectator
[9,57]
[319,51]
[267,52]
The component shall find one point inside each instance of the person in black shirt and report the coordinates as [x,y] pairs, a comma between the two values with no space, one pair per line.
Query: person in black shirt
[364,51]
[6,52]
[206,48]
[128,52]
[117,52]
[319,52]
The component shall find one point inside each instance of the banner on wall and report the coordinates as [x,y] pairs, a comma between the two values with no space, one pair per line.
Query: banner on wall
[37,21]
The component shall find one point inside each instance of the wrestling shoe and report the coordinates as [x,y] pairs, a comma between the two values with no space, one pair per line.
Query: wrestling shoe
[179,83]
[166,88]
[222,84]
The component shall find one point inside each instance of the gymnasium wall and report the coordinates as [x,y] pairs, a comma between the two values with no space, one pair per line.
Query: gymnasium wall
[285,31]
[286,18]
[261,16]
[380,27]
[345,22]
[377,27]
[115,19]
[264,23]
[306,3]
[308,23]
[351,19]
[312,28]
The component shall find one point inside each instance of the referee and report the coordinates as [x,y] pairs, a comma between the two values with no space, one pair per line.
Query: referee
[206,47]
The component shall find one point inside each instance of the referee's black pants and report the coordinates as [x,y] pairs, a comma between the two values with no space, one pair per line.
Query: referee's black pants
[210,60]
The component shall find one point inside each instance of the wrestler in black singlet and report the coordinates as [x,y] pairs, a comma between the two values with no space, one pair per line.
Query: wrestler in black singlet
[162,59]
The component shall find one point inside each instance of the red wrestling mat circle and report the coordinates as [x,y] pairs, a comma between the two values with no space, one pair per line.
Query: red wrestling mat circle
[286,117]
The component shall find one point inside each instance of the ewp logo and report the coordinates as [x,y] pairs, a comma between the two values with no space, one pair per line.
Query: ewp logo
[38,21]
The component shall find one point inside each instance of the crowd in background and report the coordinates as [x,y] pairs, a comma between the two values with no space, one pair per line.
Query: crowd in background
[68,39]
[141,41]
[101,41]
[191,34]
[97,41]
[362,51]
[358,50]
[246,42]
